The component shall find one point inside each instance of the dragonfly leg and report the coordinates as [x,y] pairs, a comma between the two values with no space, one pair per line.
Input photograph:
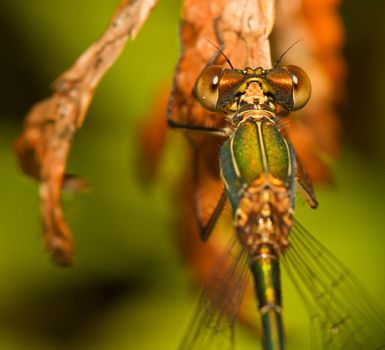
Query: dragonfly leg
[197,128]
[304,185]
[209,191]
[206,229]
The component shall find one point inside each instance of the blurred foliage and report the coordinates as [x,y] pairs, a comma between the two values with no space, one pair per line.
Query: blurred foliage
[364,114]
[128,289]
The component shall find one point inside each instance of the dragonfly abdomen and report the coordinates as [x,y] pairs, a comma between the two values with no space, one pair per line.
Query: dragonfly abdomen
[266,272]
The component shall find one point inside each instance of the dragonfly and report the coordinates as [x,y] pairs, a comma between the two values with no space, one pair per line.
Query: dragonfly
[261,175]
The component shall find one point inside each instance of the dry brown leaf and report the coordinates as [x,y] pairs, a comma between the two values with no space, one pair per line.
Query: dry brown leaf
[50,125]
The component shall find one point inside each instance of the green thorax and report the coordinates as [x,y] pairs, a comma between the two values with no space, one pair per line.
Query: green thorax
[256,148]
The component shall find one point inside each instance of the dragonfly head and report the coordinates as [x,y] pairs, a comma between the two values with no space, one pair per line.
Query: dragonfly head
[283,89]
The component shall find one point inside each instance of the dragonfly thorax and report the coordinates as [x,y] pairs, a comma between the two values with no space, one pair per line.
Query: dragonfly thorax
[264,215]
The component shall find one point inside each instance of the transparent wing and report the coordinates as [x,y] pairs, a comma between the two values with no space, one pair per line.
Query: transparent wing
[342,314]
[212,326]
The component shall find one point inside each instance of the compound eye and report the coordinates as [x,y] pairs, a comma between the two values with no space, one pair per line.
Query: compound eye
[301,86]
[206,89]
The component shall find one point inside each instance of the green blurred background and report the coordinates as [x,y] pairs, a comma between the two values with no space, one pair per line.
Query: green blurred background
[128,289]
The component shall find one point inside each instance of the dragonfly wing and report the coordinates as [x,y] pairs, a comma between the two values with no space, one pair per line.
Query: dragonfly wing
[212,326]
[343,316]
